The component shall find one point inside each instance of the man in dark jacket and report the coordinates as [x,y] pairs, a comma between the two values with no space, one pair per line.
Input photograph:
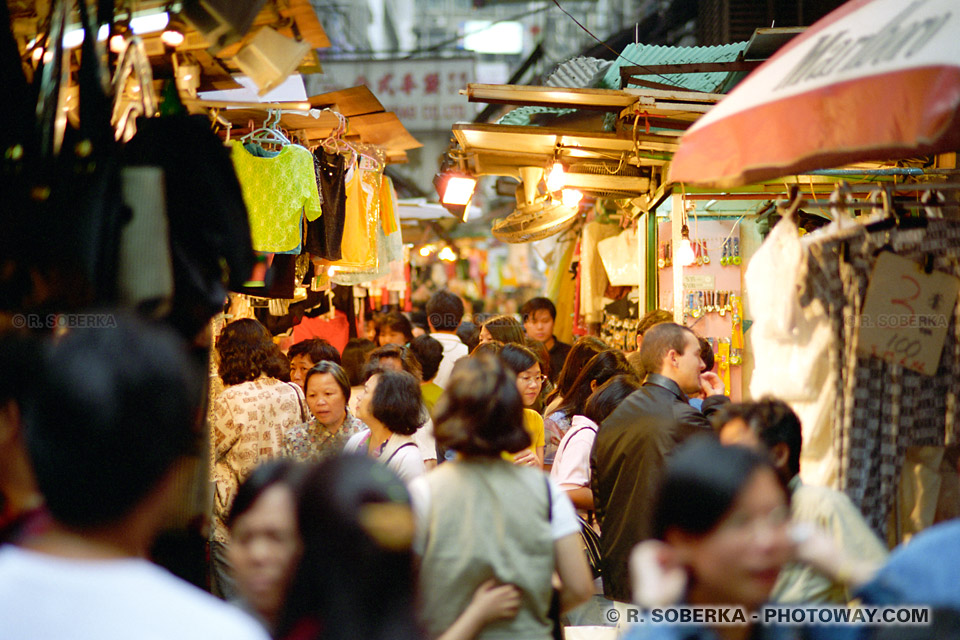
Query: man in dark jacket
[633,442]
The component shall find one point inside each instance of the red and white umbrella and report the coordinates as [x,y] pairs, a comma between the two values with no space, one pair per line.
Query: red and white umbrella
[873,80]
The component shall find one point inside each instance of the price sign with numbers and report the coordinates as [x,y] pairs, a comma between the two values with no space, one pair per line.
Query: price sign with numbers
[906,314]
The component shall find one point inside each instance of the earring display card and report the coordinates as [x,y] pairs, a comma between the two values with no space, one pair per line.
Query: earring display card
[711,291]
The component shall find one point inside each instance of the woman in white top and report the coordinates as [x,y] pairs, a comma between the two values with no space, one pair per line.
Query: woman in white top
[392,407]
[571,467]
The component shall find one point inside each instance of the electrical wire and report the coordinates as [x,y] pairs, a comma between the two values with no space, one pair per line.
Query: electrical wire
[612,50]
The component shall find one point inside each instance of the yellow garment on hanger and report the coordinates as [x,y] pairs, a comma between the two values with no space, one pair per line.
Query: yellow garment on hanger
[359,245]
[277,191]
[389,211]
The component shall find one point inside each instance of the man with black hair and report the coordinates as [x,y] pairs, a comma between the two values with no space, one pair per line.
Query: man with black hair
[539,316]
[444,313]
[306,354]
[634,441]
[113,420]
[429,353]
[770,426]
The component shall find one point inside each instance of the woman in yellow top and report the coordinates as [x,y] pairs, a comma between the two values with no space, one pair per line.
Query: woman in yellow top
[530,379]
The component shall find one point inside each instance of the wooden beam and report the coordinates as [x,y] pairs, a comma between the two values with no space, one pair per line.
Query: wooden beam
[692,67]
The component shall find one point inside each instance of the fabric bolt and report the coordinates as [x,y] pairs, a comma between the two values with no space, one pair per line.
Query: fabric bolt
[312,442]
[45,596]
[248,421]
[882,408]
[593,277]
[325,235]
[278,192]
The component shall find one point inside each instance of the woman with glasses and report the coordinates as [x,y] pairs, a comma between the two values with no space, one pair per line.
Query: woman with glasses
[722,522]
[529,379]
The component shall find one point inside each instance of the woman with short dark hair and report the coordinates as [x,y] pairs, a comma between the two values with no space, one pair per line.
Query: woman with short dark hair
[392,409]
[332,424]
[480,517]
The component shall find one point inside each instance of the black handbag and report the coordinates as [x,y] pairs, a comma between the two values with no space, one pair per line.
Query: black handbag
[63,209]
[591,546]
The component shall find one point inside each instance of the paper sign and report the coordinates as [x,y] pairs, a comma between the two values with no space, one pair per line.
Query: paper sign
[906,314]
[699,283]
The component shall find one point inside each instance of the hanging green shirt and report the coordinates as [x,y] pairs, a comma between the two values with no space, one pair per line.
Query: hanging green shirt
[278,191]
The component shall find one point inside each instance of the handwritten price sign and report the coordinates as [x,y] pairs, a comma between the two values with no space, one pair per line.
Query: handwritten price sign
[906,314]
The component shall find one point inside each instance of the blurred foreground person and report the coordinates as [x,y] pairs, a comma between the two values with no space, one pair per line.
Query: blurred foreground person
[355,579]
[481,518]
[264,538]
[722,517]
[115,418]
[21,504]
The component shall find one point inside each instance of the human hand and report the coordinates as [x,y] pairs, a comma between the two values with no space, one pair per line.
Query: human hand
[817,548]
[492,602]
[527,458]
[657,577]
[711,384]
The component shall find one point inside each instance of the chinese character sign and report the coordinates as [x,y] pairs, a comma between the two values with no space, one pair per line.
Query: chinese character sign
[425,94]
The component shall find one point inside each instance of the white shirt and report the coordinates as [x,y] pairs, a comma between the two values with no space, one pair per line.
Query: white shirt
[453,350]
[406,462]
[44,597]
[563,518]
[571,466]
[426,441]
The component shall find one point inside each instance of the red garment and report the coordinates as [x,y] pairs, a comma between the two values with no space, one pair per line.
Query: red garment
[335,331]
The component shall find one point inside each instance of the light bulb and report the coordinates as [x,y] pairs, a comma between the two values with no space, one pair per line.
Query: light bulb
[37,54]
[571,198]
[556,178]
[117,42]
[685,255]
[426,250]
[447,254]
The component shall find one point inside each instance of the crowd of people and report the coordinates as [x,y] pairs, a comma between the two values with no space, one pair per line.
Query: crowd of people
[431,481]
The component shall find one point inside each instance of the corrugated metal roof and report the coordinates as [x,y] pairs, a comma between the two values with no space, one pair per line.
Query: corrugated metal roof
[643,54]
[523,116]
[580,72]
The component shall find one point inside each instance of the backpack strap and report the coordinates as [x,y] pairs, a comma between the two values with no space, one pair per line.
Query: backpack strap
[403,446]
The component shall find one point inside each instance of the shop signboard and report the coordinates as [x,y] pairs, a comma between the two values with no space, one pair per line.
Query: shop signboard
[424,93]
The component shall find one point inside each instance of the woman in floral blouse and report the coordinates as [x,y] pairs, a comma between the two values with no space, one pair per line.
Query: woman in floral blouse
[328,392]
[247,421]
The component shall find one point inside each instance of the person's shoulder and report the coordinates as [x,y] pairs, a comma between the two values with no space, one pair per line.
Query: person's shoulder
[354,442]
[197,613]
[532,417]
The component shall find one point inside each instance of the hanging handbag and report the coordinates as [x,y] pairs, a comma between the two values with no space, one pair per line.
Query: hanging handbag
[63,203]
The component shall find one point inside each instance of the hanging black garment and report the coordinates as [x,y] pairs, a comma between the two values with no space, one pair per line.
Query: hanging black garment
[279,282]
[209,229]
[325,234]
[61,212]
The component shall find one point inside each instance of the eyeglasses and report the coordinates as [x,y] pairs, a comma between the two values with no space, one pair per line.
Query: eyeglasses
[532,380]
[742,523]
